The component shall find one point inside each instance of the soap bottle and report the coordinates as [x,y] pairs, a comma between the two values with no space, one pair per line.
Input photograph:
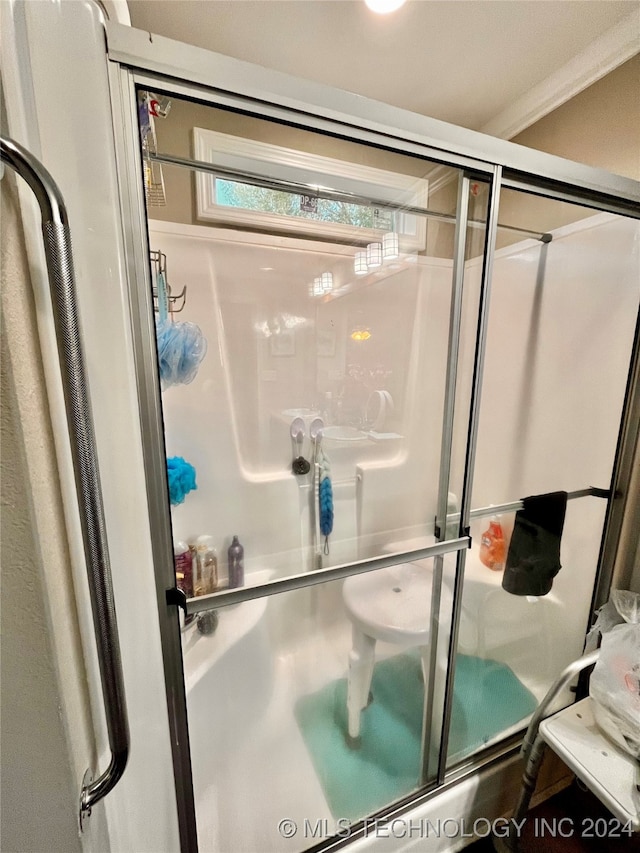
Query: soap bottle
[493,549]
[236,564]
[205,566]
[183,562]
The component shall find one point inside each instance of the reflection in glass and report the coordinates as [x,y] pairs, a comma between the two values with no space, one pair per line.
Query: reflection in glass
[314,427]
[560,331]
[309,705]
[340,315]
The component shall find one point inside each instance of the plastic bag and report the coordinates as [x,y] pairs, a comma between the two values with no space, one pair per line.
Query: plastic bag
[615,687]
[623,606]
[627,604]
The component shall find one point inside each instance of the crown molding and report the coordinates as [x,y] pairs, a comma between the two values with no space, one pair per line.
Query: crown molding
[600,57]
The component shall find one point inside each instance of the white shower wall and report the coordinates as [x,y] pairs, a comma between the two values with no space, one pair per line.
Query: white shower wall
[555,375]
[554,382]
[557,360]
[229,422]
[550,411]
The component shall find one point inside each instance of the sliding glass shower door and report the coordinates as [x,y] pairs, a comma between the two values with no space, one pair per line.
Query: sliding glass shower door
[561,319]
[308,297]
[313,311]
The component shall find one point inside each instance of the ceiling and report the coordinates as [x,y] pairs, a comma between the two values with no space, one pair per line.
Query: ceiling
[463,61]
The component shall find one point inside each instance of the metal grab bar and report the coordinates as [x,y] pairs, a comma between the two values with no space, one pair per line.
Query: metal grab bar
[533,748]
[57,246]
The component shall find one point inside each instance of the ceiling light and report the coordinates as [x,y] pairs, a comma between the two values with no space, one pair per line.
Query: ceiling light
[327,282]
[383,7]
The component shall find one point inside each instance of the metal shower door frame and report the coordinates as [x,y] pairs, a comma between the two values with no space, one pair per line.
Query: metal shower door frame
[124,84]
[123,81]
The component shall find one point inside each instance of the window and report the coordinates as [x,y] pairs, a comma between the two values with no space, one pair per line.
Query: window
[233,198]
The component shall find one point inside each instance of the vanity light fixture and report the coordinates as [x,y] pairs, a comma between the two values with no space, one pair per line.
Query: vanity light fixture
[326,280]
[360,263]
[322,284]
[374,255]
[390,246]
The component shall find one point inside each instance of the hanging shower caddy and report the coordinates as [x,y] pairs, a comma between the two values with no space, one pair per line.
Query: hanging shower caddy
[175,303]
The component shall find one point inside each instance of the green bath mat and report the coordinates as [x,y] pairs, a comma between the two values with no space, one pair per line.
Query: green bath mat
[487,699]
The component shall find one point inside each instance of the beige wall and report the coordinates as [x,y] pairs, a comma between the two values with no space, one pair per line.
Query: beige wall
[32,732]
[599,127]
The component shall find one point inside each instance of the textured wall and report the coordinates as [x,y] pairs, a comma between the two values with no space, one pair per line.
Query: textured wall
[39,789]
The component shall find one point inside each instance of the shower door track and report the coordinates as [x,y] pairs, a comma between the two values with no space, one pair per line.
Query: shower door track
[490,757]
[160,64]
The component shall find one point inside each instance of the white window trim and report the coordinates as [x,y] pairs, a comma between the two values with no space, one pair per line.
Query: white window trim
[246,155]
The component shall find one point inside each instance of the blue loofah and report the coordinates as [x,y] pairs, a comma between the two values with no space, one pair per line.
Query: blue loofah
[182,479]
[326,506]
[181,348]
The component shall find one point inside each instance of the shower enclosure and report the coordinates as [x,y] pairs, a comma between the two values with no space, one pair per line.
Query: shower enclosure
[422,323]
[343,290]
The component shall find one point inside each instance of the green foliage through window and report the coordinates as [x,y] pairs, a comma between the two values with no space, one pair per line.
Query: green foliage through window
[251,197]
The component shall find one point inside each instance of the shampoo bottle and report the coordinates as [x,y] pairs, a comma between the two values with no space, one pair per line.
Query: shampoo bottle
[182,558]
[236,564]
[493,549]
[205,566]
[183,561]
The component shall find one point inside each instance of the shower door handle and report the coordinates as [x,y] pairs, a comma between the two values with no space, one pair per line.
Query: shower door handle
[57,246]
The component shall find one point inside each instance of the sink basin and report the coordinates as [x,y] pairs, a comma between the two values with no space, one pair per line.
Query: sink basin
[343,433]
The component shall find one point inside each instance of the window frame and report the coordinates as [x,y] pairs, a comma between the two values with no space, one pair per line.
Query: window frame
[301,167]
